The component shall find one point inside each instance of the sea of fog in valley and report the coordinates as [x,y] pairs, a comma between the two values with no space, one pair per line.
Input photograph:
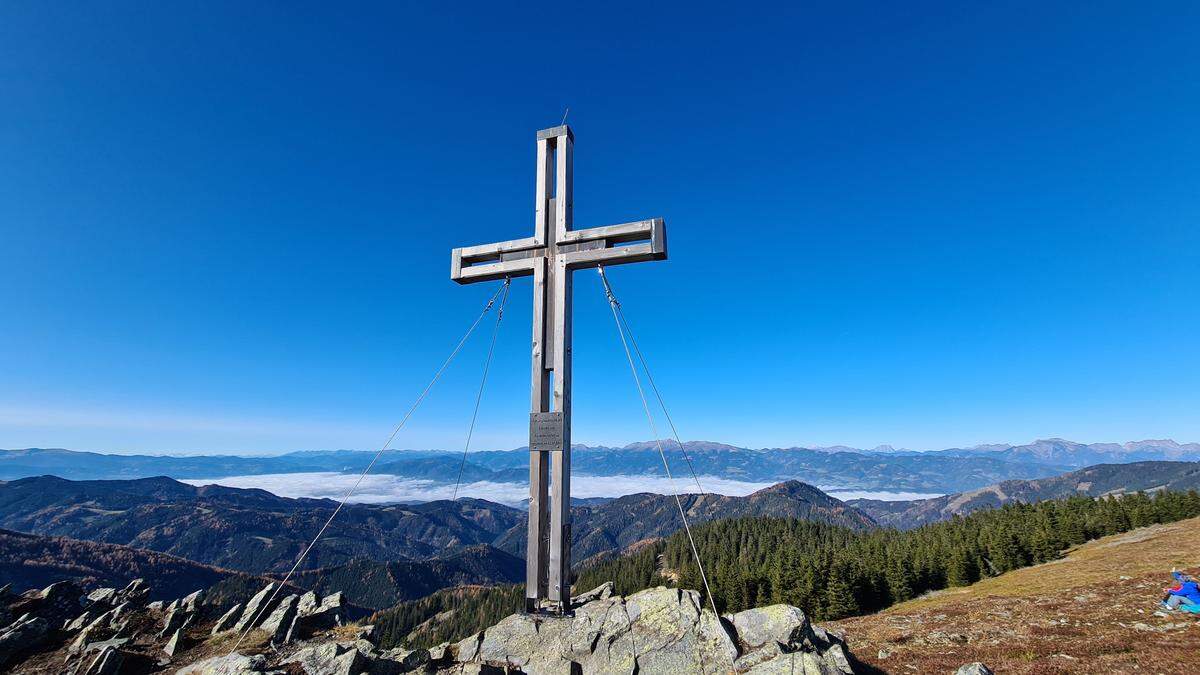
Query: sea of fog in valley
[376,489]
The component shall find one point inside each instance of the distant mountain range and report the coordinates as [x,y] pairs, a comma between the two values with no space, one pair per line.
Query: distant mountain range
[1056,451]
[1093,481]
[838,467]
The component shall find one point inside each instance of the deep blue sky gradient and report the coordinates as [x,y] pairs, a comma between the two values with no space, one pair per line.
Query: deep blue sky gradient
[226,226]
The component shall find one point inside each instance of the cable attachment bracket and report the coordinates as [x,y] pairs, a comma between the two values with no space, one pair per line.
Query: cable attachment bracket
[612,299]
[507,283]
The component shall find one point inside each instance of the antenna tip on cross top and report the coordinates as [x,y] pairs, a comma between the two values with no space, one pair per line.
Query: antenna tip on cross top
[554,132]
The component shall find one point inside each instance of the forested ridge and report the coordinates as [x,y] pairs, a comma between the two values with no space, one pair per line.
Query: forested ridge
[829,571]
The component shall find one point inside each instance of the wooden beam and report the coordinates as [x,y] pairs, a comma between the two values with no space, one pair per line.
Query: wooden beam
[494,250]
[491,271]
[537,547]
[554,132]
[621,255]
[560,461]
[625,232]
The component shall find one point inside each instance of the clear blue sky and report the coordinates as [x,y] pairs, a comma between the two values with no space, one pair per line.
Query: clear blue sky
[226,226]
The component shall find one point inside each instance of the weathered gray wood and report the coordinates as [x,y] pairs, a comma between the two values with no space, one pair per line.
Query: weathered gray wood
[550,257]
[552,132]
[494,271]
[493,250]
[537,549]
[636,231]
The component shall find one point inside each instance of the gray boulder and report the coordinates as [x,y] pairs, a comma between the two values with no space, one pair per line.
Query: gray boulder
[308,603]
[227,620]
[400,661]
[174,620]
[279,624]
[115,643]
[831,662]
[191,602]
[230,664]
[976,668]
[782,624]
[107,662]
[771,637]
[258,608]
[174,644]
[102,596]
[656,630]
[134,591]
[323,614]
[57,603]
[330,658]
[93,631]
[79,622]
[601,592]
[26,632]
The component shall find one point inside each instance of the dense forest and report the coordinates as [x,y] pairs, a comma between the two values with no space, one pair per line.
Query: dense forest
[830,572]
[447,615]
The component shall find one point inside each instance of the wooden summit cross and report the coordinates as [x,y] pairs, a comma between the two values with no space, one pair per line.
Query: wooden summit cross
[550,256]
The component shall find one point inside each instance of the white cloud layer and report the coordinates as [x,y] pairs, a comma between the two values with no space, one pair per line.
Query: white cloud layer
[385,488]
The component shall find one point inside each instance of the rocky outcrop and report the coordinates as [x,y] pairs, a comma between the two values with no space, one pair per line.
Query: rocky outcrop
[107,662]
[231,664]
[284,620]
[657,630]
[660,630]
[227,620]
[279,624]
[106,631]
[26,632]
[321,613]
[258,608]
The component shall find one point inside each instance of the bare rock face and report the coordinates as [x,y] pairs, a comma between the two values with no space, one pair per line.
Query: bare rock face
[331,658]
[227,619]
[232,664]
[258,608]
[24,633]
[657,630]
[191,602]
[107,662]
[780,638]
[57,603]
[174,643]
[321,613]
[279,624]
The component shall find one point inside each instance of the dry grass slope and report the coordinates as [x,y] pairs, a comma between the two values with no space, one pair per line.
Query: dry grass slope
[1090,612]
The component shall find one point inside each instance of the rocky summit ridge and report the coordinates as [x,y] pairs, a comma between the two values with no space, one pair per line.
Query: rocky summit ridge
[112,631]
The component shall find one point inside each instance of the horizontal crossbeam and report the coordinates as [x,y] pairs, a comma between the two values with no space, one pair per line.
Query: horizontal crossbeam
[605,245]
